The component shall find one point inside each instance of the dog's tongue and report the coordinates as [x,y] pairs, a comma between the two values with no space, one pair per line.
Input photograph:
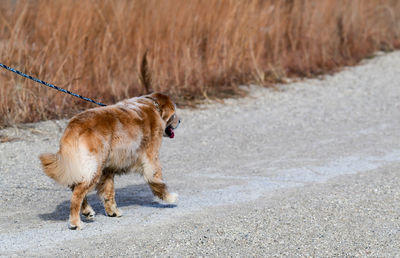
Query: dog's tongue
[170,132]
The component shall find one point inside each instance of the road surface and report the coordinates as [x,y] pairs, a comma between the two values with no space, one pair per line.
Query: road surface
[308,168]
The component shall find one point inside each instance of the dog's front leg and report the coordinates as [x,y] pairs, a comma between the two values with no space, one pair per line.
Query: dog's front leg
[152,173]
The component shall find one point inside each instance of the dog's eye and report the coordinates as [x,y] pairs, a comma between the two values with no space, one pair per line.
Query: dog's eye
[171,118]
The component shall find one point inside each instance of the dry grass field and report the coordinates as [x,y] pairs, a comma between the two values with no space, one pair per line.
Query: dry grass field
[196,49]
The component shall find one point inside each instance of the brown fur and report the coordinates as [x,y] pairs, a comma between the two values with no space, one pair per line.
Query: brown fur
[49,162]
[102,142]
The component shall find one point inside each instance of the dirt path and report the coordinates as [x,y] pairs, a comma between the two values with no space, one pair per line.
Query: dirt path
[310,168]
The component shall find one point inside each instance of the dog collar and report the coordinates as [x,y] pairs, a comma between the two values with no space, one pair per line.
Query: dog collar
[155,104]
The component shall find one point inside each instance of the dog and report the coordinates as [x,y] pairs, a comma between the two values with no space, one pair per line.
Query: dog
[100,143]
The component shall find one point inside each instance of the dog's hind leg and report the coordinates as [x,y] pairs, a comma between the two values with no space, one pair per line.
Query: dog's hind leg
[87,210]
[78,194]
[106,191]
[152,173]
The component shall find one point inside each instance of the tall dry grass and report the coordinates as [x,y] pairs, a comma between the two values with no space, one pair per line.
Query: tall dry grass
[196,48]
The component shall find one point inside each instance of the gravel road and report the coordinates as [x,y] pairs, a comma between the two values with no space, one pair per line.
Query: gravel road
[309,168]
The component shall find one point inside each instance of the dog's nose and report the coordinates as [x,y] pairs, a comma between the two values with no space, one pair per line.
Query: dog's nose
[179,122]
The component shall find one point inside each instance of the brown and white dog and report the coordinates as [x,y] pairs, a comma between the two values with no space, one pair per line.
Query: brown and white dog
[100,143]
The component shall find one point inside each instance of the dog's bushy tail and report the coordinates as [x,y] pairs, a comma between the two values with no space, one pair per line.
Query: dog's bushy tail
[52,166]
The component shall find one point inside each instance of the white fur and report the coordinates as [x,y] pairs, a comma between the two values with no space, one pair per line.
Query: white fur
[88,164]
[148,170]
[125,153]
[171,198]
[133,104]
[77,167]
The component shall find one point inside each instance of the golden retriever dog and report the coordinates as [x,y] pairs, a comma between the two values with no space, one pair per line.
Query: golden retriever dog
[100,143]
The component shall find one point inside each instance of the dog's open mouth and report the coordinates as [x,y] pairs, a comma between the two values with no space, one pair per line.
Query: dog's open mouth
[169,131]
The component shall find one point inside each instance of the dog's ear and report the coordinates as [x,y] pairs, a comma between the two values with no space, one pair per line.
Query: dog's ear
[144,74]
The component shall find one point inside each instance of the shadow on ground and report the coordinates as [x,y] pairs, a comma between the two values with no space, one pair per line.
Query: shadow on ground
[139,195]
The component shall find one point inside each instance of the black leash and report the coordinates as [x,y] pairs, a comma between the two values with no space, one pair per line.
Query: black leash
[50,85]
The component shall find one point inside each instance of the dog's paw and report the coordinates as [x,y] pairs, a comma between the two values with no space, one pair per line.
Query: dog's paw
[89,215]
[77,226]
[114,213]
[171,198]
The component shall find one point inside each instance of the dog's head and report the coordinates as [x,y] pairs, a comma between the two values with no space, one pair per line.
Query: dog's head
[167,110]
